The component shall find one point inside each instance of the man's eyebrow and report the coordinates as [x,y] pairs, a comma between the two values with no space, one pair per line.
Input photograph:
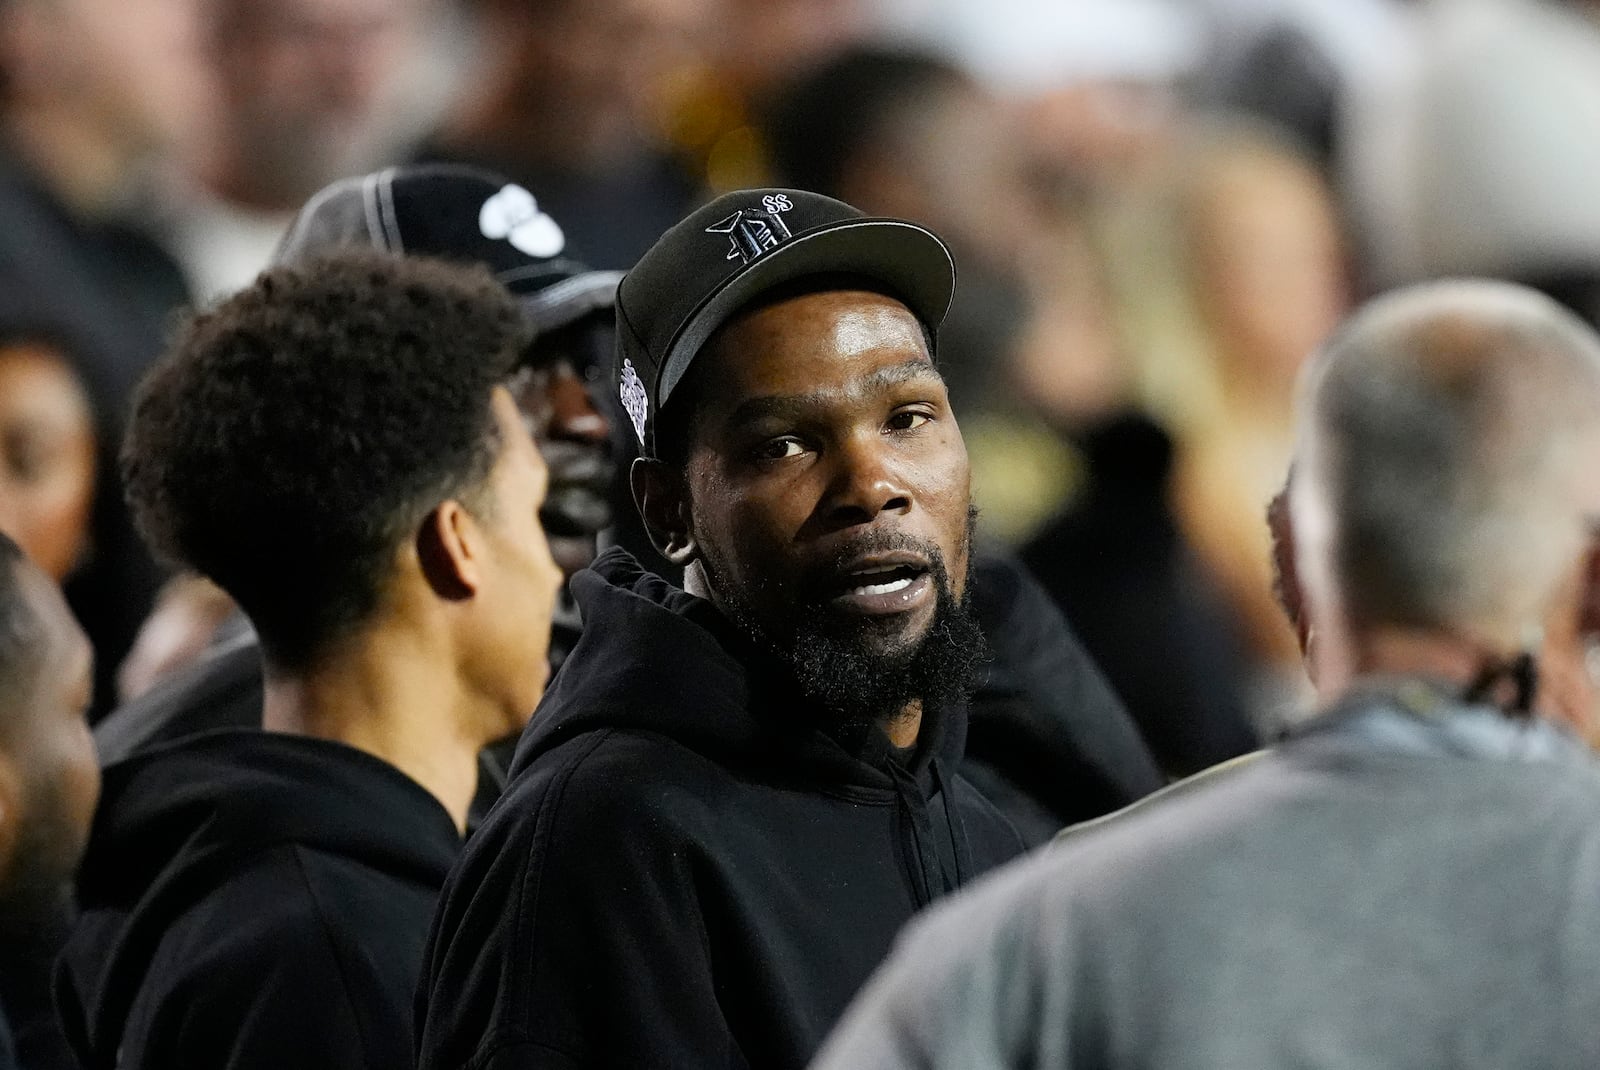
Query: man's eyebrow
[793,405]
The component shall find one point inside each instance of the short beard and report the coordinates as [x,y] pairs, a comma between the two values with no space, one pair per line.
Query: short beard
[852,669]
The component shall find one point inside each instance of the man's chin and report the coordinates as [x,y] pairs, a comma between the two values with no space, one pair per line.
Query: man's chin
[890,637]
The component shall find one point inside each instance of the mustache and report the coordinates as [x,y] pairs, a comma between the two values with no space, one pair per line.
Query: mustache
[820,580]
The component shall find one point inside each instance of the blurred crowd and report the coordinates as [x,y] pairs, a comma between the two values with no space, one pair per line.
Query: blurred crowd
[1159,210]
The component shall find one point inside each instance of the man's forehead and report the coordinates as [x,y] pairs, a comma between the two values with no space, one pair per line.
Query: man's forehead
[870,326]
[832,325]
[810,349]
[869,382]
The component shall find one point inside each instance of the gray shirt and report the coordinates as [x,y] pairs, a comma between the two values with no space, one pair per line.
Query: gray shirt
[1407,884]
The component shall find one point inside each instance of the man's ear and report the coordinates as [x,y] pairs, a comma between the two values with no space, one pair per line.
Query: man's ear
[450,550]
[661,495]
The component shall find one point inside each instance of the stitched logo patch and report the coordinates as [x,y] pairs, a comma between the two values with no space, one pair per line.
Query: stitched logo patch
[753,231]
[634,399]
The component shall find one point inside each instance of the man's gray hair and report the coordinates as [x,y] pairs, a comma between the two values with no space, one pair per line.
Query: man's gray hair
[1453,430]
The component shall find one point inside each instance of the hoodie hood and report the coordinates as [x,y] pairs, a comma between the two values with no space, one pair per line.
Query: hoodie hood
[175,822]
[654,658]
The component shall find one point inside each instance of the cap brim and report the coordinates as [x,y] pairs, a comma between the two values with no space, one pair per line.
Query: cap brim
[911,263]
[570,300]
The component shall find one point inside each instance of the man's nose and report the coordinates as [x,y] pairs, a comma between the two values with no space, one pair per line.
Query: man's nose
[573,413]
[865,483]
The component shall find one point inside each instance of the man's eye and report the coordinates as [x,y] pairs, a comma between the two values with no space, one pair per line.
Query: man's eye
[908,421]
[780,449]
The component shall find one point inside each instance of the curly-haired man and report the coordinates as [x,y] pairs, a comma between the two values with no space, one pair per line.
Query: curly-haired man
[335,447]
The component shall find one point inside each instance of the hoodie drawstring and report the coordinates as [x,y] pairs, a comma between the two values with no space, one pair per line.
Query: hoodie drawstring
[923,858]
[958,828]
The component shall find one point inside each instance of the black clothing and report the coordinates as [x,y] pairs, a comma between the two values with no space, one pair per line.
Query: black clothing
[1048,742]
[686,870]
[30,1029]
[220,690]
[106,291]
[224,690]
[1121,572]
[253,899]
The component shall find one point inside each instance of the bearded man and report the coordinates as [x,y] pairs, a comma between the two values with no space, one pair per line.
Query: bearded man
[734,795]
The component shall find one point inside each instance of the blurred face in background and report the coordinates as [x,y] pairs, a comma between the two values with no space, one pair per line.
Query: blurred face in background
[47,456]
[1270,263]
[952,160]
[303,88]
[762,42]
[131,67]
[554,390]
[594,73]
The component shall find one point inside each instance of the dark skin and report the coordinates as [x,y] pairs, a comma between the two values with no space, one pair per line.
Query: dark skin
[574,437]
[821,430]
[49,776]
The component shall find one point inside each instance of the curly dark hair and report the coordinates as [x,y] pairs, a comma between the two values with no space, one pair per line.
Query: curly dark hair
[294,437]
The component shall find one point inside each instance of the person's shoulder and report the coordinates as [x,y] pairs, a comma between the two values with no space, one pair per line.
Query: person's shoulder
[1195,798]
[255,939]
[614,772]
[263,908]
[636,792]
[998,919]
[221,690]
[252,976]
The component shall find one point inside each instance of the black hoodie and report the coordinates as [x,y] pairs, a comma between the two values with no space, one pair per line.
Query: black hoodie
[685,870]
[253,899]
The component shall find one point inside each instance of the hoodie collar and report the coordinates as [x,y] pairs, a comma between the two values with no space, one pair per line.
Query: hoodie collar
[207,800]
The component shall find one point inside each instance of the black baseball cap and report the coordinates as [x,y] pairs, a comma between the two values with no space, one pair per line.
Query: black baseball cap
[456,212]
[725,255]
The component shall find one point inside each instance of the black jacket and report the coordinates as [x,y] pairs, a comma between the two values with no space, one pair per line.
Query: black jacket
[1048,741]
[685,870]
[30,1029]
[1121,571]
[253,899]
[8,1050]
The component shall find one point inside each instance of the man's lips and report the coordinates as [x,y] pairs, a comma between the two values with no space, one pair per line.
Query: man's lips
[882,584]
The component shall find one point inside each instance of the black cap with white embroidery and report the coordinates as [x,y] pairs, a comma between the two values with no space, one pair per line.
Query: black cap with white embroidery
[457,213]
[725,255]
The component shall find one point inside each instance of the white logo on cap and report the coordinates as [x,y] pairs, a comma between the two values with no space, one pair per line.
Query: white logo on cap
[514,215]
[753,231]
[634,399]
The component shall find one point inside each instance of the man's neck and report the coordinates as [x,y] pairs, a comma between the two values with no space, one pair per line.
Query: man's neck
[85,170]
[905,728]
[1453,662]
[391,698]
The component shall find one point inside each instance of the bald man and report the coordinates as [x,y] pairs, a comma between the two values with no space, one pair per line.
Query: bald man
[1413,879]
